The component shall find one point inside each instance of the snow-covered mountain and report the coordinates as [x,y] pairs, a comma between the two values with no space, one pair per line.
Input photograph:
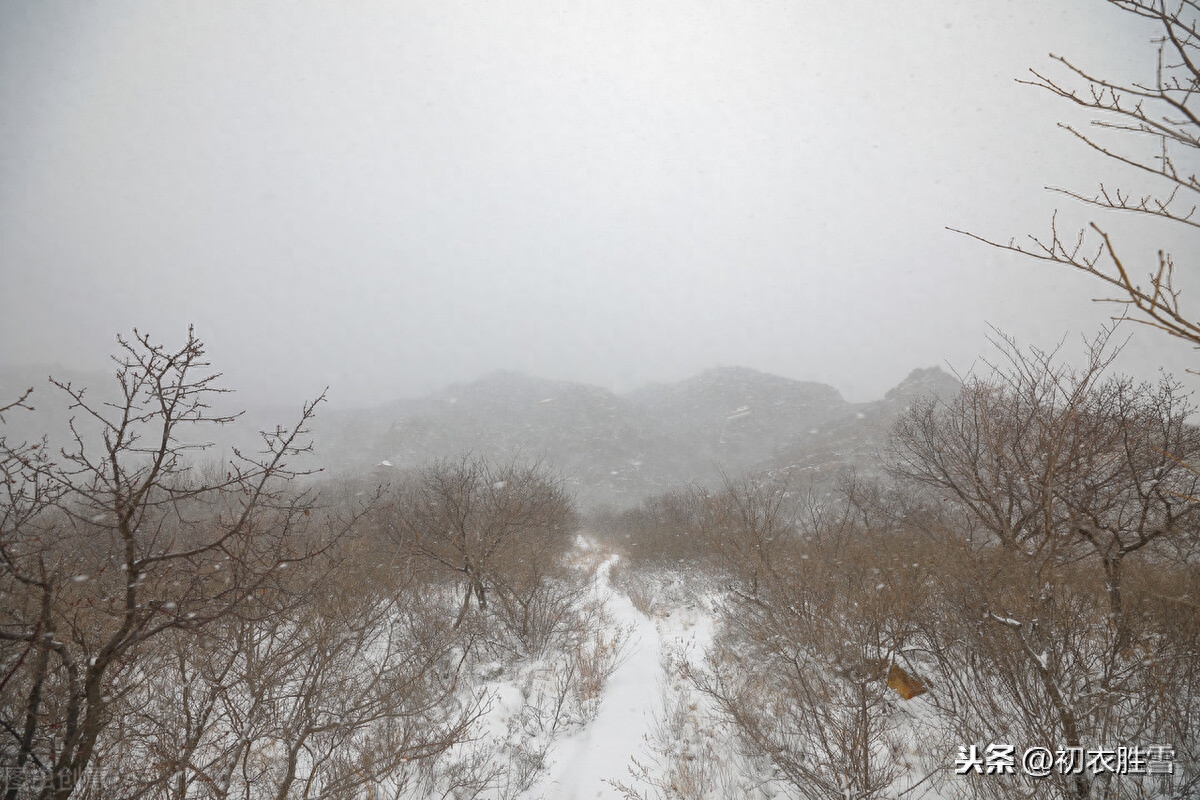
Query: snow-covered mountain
[620,448]
[614,449]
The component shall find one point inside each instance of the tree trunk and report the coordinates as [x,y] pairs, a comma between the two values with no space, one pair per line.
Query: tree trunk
[1113,569]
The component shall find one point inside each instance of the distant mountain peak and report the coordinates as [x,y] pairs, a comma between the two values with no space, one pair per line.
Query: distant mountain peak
[504,382]
[734,372]
[620,448]
[925,380]
[732,381]
[507,377]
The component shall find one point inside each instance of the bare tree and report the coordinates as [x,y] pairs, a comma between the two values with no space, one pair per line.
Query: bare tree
[496,529]
[117,540]
[746,522]
[662,529]
[1159,121]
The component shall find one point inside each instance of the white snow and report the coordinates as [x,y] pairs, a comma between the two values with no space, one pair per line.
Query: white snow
[739,412]
[1004,620]
[584,762]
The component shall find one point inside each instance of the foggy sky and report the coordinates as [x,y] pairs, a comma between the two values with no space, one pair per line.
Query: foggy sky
[387,197]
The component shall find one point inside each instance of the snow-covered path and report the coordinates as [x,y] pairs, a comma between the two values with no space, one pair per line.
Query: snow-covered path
[584,762]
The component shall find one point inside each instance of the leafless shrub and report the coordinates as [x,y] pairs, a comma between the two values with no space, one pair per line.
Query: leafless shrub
[689,754]
[663,530]
[800,668]
[499,531]
[746,523]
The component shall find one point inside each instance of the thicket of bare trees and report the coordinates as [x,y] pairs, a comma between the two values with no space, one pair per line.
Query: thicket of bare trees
[1059,465]
[172,629]
[1027,576]
[495,541]
[344,679]
[801,668]
[819,601]
[1082,553]
[1080,490]
[499,531]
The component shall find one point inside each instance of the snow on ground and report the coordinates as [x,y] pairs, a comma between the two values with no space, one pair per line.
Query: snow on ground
[583,763]
[655,733]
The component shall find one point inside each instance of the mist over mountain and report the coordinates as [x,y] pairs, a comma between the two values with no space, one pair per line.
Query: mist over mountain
[616,449]
[613,448]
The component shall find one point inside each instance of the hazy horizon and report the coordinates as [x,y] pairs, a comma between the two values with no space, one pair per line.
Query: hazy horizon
[39,373]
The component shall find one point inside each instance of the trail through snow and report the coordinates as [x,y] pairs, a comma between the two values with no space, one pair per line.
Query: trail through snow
[582,763]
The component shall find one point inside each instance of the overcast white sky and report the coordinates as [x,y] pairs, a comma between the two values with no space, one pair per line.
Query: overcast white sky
[386,197]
